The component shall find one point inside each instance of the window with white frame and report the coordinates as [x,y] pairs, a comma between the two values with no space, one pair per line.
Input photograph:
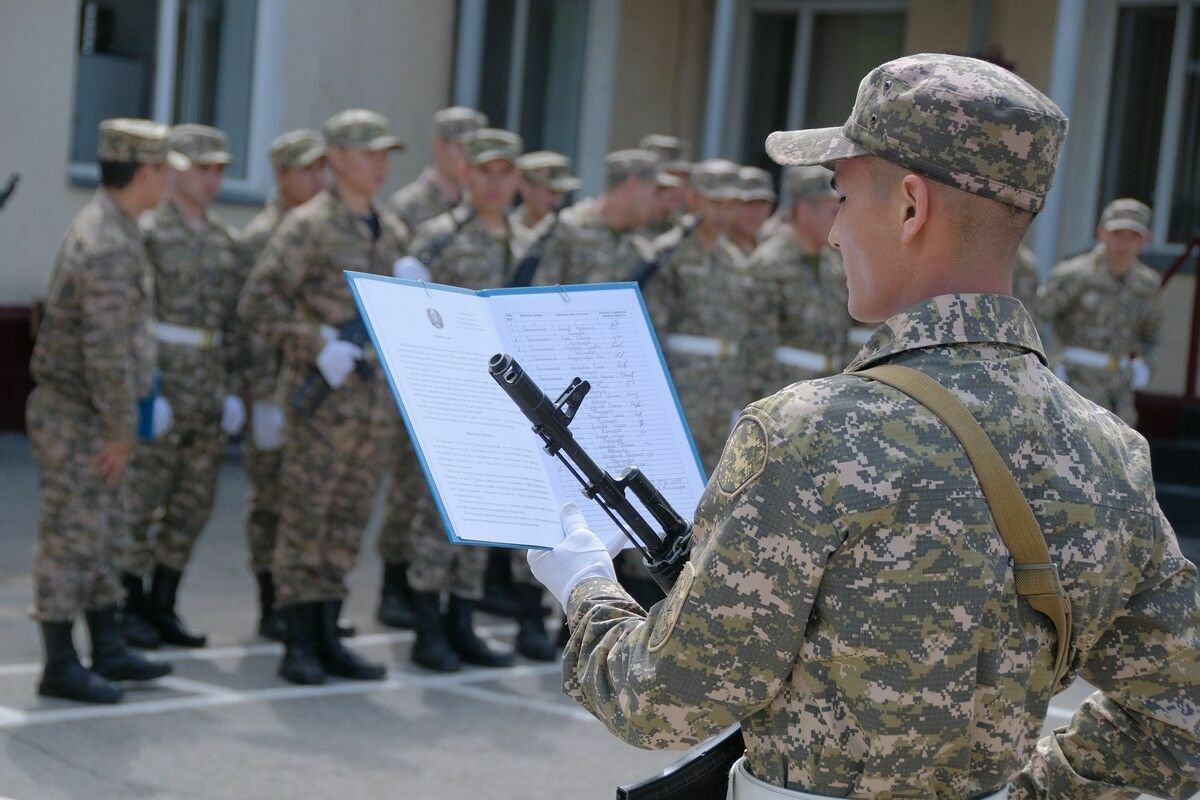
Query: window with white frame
[1152,142]
[174,61]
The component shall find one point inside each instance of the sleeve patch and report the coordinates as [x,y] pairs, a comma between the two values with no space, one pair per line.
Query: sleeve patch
[672,607]
[745,455]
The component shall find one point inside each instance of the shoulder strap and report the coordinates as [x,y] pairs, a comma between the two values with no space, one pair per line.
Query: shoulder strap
[1035,573]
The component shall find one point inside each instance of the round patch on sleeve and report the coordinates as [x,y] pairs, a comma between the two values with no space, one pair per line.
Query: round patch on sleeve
[672,607]
[745,455]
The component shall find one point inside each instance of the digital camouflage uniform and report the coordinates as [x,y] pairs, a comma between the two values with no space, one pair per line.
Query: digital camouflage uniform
[420,201]
[674,159]
[549,170]
[848,599]
[92,361]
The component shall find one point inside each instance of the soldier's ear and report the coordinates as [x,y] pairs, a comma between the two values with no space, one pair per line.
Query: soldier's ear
[914,198]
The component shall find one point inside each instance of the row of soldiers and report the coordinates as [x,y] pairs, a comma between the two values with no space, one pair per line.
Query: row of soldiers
[202,330]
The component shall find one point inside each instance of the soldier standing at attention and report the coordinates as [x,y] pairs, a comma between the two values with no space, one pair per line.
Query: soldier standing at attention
[673,160]
[478,255]
[93,361]
[437,189]
[545,178]
[1104,310]
[798,287]
[753,208]
[849,598]
[197,277]
[334,450]
[298,160]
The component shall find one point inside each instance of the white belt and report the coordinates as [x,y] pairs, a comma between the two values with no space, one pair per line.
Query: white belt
[804,359]
[860,336]
[1082,357]
[169,333]
[744,786]
[701,345]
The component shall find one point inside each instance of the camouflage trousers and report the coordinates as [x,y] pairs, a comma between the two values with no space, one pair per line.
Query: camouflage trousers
[708,394]
[262,506]
[330,468]
[173,483]
[81,527]
[1108,389]
[405,493]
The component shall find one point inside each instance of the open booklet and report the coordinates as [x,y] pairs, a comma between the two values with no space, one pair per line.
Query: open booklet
[491,479]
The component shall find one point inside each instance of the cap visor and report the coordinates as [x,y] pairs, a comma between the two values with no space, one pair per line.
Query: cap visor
[308,157]
[217,157]
[668,181]
[1126,225]
[810,147]
[385,143]
[492,155]
[179,161]
[565,185]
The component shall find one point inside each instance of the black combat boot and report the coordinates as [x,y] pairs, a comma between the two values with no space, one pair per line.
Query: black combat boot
[395,609]
[163,591]
[462,637]
[532,639]
[432,650]
[335,657]
[345,628]
[111,658]
[63,675]
[135,623]
[270,621]
[499,595]
[300,663]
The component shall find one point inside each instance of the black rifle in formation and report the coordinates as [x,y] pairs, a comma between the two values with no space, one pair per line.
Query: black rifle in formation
[704,772]
[315,390]
[646,272]
[523,274]
[10,186]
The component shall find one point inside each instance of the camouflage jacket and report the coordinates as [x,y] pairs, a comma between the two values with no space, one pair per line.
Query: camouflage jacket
[699,291]
[197,277]
[849,601]
[94,343]
[474,258]
[420,201]
[1088,307]
[297,285]
[583,249]
[260,361]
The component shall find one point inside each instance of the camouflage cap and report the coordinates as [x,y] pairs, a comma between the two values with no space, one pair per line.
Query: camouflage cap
[455,122]
[809,183]
[666,180]
[756,184]
[296,149]
[961,121]
[202,144]
[1126,214]
[673,153]
[491,144]
[137,141]
[716,179]
[359,129]
[621,165]
[549,170]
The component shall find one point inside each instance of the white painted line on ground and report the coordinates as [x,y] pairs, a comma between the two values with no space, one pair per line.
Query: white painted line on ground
[189,686]
[519,701]
[11,717]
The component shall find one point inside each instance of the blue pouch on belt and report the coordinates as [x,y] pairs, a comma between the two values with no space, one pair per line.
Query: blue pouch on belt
[145,428]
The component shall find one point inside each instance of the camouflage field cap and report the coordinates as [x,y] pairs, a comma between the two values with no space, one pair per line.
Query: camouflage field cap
[202,144]
[137,141]
[674,153]
[716,179]
[621,165]
[666,180]
[1126,214]
[491,144]
[809,183]
[296,149]
[549,170]
[455,122]
[359,129]
[756,184]
[958,120]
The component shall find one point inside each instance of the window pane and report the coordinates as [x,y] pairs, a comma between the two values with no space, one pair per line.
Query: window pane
[1141,67]
[215,70]
[497,56]
[768,80]
[553,81]
[844,48]
[1185,202]
[114,74]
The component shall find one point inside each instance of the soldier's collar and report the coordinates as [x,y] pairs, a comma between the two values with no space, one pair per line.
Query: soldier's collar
[953,319]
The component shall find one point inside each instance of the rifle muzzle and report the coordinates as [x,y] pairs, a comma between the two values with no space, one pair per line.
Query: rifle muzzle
[523,391]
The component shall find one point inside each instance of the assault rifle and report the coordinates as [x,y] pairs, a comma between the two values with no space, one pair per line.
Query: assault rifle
[314,391]
[523,274]
[644,273]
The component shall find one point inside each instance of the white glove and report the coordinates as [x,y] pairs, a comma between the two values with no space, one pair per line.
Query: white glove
[233,415]
[266,426]
[581,555]
[1141,372]
[411,269]
[336,361]
[162,418]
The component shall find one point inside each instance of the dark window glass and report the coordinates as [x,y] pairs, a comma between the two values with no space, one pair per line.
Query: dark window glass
[1185,201]
[497,57]
[768,79]
[844,48]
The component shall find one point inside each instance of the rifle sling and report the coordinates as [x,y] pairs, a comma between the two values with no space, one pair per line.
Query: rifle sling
[1034,571]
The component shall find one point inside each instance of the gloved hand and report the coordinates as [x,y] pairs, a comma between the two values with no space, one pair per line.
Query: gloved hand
[162,418]
[1141,372]
[581,555]
[233,415]
[411,269]
[336,361]
[266,425]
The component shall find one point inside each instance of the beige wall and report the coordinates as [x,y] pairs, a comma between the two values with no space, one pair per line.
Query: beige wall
[1023,31]
[661,70]
[935,26]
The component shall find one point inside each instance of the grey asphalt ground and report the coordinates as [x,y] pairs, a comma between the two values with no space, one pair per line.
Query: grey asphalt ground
[224,726]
